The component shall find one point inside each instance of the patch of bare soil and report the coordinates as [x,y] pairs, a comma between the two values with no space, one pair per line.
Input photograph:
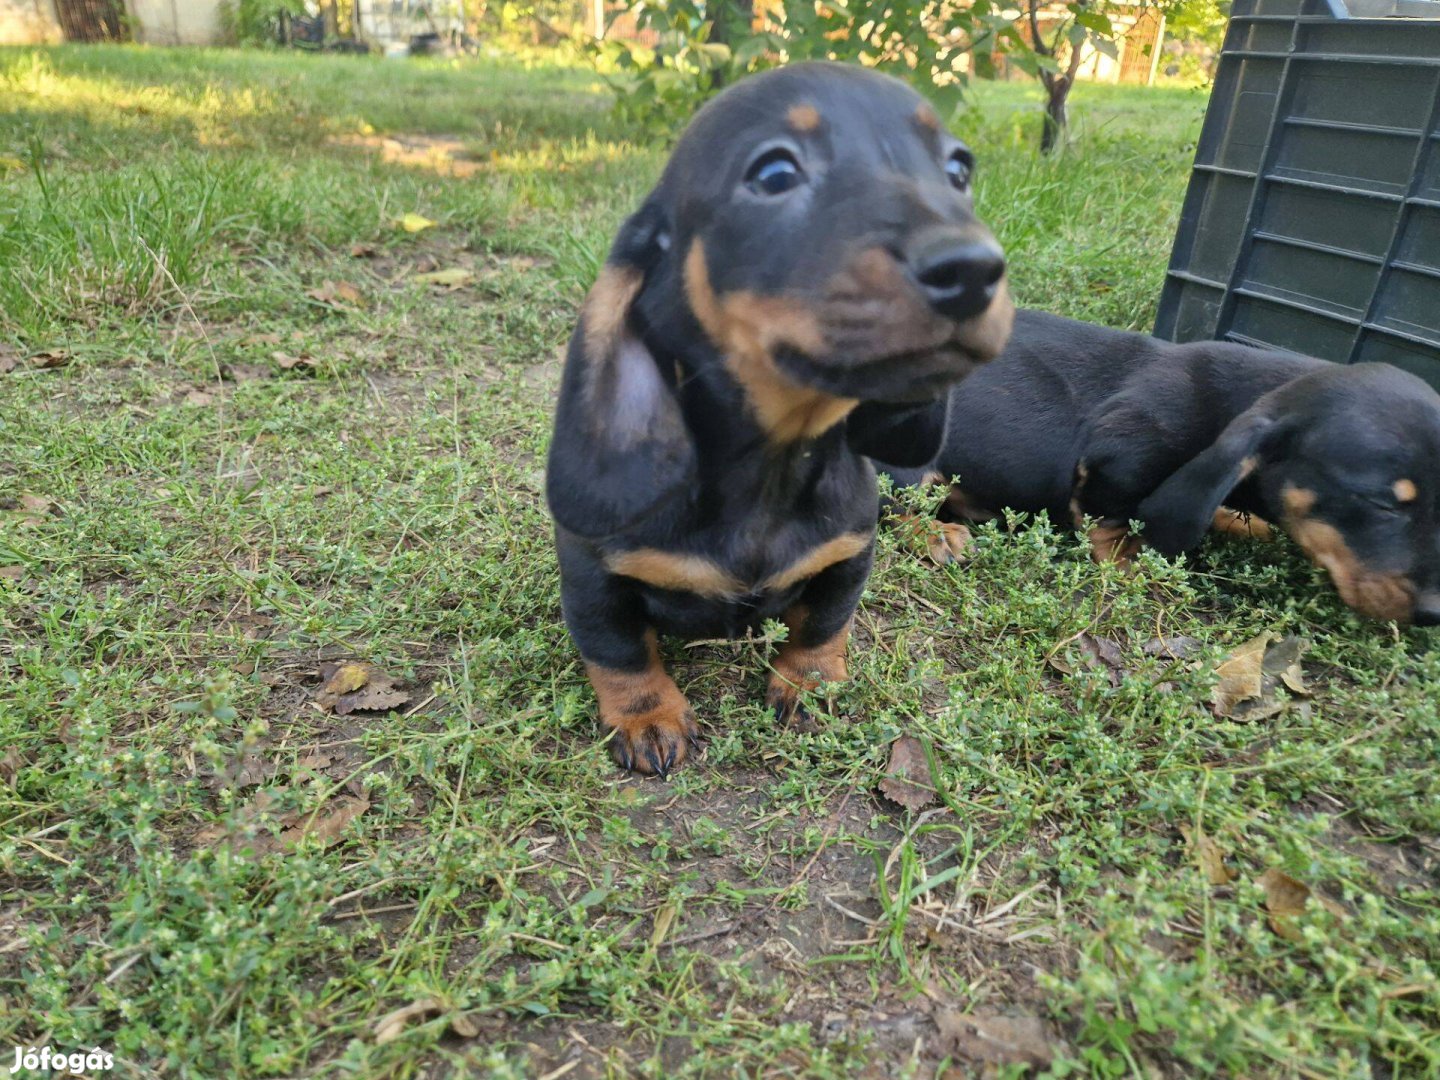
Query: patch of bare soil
[814,907]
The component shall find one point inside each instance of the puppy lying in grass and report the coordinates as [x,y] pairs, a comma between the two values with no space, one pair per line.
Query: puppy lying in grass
[1086,422]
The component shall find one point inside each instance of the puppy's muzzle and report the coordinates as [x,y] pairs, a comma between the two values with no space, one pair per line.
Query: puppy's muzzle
[959,273]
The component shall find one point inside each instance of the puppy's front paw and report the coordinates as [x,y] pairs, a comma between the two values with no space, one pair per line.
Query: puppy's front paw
[950,544]
[655,741]
[654,724]
[1112,541]
[941,542]
[799,670]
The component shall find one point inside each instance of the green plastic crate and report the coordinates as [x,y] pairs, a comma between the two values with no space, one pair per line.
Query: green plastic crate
[1312,220]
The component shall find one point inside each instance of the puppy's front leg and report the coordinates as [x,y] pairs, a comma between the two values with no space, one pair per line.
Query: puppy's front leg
[819,623]
[654,725]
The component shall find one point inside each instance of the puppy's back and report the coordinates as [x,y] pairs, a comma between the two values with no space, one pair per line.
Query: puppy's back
[1014,424]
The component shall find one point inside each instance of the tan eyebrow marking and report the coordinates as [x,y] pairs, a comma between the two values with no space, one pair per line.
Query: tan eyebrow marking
[803,117]
[1406,491]
[926,116]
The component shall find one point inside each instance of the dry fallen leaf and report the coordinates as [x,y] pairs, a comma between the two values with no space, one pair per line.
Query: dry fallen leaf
[9,358]
[995,1039]
[289,363]
[1285,900]
[413,223]
[356,686]
[1240,674]
[1175,648]
[464,1026]
[1282,661]
[336,294]
[248,770]
[362,251]
[199,397]
[329,826]
[261,339]
[37,504]
[372,698]
[392,1025]
[12,573]
[343,678]
[1251,675]
[50,358]
[245,820]
[521,262]
[1097,654]
[452,278]
[907,778]
[1208,857]
[11,762]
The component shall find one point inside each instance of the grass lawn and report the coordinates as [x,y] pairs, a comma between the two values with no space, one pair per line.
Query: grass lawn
[260,443]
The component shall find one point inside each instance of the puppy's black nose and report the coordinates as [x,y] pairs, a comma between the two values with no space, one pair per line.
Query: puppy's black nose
[1427,610]
[959,274]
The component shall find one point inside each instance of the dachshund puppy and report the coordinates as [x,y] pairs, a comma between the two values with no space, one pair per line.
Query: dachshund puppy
[1083,421]
[805,278]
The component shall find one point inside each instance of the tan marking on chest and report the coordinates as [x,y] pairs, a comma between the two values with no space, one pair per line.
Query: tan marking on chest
[843,547]
[671,570]
[705,577]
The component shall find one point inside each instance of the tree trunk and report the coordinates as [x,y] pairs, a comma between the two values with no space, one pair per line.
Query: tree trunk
[730,26]
[1053,134]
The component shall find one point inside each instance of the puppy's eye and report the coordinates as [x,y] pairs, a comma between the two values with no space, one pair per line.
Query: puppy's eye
[958,168]
[774,173]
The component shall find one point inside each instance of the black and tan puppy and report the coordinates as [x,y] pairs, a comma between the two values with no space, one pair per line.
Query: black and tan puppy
[1079,420]
[808,270]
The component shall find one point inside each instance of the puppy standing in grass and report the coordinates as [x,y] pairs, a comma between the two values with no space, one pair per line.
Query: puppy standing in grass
[805,278]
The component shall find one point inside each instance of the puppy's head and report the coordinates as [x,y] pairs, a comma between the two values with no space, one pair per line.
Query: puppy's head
[818,225]
[1348,460]
[811,246]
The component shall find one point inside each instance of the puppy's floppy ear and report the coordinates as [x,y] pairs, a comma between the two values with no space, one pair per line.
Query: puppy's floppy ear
[620,446]
[1178,513]
[908,436]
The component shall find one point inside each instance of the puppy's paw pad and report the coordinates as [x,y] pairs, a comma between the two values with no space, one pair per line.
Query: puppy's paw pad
[783,699]
[950,543]
[656,743]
